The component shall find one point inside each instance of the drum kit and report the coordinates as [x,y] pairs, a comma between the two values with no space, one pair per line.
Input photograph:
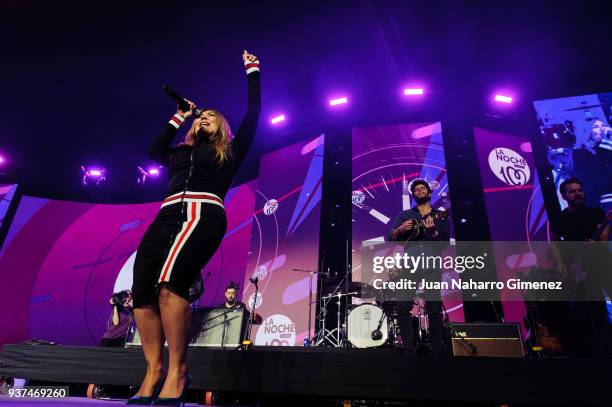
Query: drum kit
[559,139]
[371,320]
[560,135]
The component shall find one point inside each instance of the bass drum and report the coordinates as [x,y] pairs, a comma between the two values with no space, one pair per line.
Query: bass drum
[362,321]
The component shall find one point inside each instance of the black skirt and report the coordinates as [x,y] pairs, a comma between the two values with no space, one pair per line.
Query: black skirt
[176,246]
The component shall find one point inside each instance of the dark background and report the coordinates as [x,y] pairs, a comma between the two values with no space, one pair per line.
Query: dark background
[81,85]
[81,81]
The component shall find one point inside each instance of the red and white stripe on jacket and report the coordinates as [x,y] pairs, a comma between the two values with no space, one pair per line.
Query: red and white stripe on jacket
[251,66]
[177,120]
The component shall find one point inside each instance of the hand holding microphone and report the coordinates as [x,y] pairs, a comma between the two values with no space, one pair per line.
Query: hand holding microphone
[186,107]
[186,113]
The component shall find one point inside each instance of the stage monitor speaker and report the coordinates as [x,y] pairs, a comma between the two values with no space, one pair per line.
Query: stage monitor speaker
[220,328]
[488,340]
[214,328]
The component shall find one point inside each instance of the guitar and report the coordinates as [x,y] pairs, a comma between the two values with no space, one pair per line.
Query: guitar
[418,226]
[602,226]
[577,272]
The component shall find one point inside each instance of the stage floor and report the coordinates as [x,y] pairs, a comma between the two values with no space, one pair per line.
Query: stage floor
[67,401]
[374,374]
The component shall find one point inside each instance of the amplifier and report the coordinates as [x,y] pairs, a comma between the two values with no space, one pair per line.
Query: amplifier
[215,328]
[489,340]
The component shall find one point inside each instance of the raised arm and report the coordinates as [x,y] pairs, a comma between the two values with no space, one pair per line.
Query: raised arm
[161,148]
[246,132]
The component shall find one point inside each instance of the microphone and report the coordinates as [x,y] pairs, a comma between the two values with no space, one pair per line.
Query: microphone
[254,279]
[182,103]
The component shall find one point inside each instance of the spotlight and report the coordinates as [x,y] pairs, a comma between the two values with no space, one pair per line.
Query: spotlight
[503,99]
[93,175]
[143,174]
[1,159]
[413,91]
[278,119]
[338,101]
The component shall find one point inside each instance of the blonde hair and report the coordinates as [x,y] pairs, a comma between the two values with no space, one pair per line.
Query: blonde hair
[220,140]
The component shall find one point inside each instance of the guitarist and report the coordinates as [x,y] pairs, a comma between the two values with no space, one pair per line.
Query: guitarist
[415,226]
[580,223]
[406,221]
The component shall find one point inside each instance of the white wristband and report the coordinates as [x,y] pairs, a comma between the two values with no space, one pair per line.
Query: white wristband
[251,66]
[177,120]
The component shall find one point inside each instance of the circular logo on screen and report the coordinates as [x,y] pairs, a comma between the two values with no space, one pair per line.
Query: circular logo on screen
[276,330]
[358,197]
[258,303]
[270,207]
[509,166]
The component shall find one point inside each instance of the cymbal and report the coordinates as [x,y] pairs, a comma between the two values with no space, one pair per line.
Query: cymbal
[364,290]
[336,295]
[582,107]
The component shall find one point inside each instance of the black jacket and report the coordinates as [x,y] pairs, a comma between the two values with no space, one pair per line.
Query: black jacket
[207,174]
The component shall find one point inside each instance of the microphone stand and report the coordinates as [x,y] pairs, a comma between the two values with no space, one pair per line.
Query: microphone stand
[309,304]
[130,327]
[311,274]
[377,333]
[348,277]
[247,334]
[225,321]
[447,324]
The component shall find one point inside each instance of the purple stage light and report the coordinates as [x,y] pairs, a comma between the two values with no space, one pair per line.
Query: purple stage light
[338,101]
[1,160]
[413,91]
[278,119]
[503,99]
[93,175]
[143,175]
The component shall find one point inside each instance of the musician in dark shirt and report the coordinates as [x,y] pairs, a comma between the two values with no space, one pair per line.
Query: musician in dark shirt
[586,330]
[231,301]
[415,226]
[577,222]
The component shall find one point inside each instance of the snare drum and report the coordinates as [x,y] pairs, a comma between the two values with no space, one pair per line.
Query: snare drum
[362,321]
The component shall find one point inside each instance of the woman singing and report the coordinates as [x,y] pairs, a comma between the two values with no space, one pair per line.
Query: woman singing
[185,234]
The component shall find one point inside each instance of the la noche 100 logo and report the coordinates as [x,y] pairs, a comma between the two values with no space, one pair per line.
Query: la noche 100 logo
[509,166]
[276,330]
